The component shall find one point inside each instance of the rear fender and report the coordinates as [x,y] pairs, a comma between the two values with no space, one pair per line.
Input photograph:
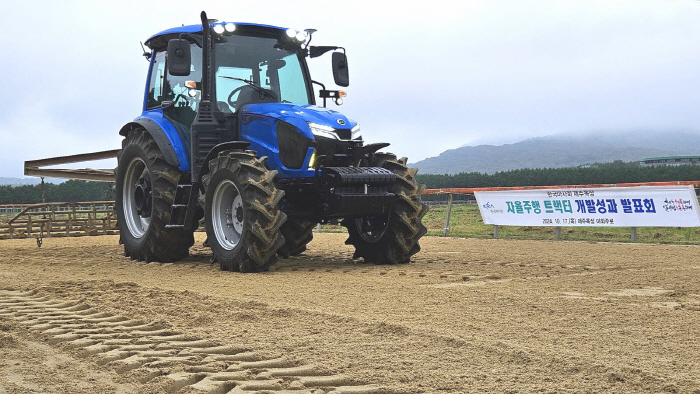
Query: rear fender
[169,141]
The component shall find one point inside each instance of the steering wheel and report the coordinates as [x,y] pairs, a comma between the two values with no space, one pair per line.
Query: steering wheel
[180,96]
[233,93]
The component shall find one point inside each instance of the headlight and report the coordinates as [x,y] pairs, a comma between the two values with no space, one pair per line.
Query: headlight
[356,132]
[320,130]
[312,159]
[230,27]
[219,29]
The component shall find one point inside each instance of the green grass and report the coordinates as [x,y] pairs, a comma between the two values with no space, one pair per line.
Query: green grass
[466,221]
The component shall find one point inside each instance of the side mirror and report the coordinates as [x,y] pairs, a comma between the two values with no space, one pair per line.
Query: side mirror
[340,69]
[179,57]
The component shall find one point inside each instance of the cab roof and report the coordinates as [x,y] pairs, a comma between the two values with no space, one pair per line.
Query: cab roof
[159,40]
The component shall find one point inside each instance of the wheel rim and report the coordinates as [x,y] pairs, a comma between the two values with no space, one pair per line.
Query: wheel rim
[372,227]
[227,214]
[137,198]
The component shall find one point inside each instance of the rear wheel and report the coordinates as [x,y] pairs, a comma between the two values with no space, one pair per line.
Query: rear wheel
[391,238]
[145,188]
[296,236]
[243,218]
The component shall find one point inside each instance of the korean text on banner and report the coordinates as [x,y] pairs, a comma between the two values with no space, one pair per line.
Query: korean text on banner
[639,206]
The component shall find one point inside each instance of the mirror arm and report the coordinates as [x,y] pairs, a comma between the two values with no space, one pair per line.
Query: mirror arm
[195,40]
[322,87]
[318,51]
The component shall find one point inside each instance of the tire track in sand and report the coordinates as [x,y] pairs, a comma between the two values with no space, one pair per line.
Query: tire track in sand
[169,359]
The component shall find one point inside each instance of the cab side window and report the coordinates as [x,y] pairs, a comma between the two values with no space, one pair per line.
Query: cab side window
[178,90]
[156,80]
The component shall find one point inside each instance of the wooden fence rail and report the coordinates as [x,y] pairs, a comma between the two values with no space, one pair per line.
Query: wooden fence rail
[99,217]
[61,220]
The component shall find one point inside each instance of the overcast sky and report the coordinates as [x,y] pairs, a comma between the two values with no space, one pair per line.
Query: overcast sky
[425,77]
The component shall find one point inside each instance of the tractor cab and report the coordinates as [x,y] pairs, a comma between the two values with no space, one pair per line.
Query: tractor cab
[250,64]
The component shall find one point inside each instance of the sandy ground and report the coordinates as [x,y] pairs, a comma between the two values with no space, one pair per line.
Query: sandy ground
[468,315]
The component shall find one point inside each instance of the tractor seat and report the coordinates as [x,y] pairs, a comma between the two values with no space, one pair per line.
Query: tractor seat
[223,107]
[248,95]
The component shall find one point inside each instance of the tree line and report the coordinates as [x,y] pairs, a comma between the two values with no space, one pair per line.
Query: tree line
[615,172]
[68,191]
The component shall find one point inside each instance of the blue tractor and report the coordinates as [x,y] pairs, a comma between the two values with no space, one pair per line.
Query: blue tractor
[230,133]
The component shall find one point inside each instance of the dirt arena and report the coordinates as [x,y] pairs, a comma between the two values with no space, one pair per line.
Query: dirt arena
[468,315]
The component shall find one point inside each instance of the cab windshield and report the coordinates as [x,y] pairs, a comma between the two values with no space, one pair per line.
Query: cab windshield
[275,72]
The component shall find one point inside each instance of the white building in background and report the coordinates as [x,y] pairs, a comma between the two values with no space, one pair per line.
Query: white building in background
[670,161]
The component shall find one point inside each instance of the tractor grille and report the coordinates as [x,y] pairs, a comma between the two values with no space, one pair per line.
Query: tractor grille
[292,145]
[343,134]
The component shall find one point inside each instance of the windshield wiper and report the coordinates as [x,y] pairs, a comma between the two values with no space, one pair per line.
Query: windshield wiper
[252,85]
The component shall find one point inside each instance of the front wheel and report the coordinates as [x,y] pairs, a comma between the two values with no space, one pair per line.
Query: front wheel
[243,218]
[392,237]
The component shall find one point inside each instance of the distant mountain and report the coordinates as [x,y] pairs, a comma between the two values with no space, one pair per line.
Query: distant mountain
[495,139]
[28,181]
[563,150]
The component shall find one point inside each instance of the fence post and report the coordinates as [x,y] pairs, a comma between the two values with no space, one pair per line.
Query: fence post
[447,217]
[318,228]
[94,215]
[633,236]
[558,232]
[495,231]
[49,224]
[69,224]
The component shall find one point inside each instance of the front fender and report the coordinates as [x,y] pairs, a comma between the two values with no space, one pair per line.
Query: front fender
[214,152]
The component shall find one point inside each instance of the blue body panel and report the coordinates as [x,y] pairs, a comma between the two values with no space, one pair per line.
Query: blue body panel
[259,130]
[299,115]
[258,126]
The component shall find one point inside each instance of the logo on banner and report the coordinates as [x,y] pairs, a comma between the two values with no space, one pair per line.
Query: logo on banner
[673,205]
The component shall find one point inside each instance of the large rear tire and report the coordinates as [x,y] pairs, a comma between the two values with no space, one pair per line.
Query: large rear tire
[296,236]
[243,218]
[393,237]
[145,189]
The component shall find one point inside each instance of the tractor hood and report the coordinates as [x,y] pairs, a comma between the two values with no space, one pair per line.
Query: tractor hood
[300,116]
